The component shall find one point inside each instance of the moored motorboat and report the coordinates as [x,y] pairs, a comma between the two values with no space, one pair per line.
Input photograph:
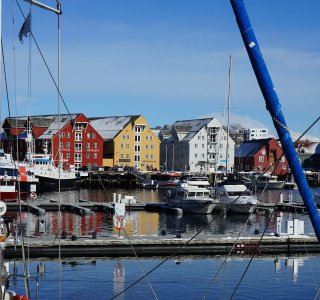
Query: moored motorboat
[192,199]
[235,197]
[263,181]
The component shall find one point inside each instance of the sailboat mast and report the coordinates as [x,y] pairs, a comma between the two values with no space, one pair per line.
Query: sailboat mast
[274,108]
[228,109]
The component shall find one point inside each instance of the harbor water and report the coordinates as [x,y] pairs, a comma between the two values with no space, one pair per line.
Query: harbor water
[177,277]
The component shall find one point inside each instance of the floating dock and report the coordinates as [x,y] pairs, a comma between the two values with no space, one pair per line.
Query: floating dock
[162,246]
[84,207]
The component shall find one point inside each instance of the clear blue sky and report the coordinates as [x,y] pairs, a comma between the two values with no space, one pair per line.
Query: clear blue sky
[168,59]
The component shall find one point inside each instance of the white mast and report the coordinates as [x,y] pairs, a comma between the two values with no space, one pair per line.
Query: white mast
[228,108]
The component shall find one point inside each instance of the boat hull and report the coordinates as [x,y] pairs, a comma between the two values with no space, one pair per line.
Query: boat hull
[51,184]
[194,206]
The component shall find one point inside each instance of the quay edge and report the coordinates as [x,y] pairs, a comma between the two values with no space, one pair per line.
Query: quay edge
[117,247]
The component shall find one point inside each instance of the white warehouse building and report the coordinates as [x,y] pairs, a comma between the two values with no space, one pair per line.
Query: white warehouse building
[198,145]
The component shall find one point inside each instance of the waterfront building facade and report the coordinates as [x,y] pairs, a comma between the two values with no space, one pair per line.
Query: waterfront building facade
[80,144]
[128,142]
[256,133]
[198,145]
[261,155]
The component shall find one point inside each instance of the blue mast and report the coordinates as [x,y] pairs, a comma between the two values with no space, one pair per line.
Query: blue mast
[274,108]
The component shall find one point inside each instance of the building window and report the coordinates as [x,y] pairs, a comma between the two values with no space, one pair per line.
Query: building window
[136,148]
[93,135]
[152,147]
[261,158]
[137,138]
[68,155]
[137,158]
[151,156]
[202,155]
[195,155]
[88,135]
[127,146]
[88,155]
[77,157]
[68,144]
[283,159]
[88,146]
[68,134]
[62,134]
[78,127]
[121,155]
[147,156]
[127,155]
[121,146]
[78,136]
[78,147]
[199,137]
[202,146]
[124,136]
[61,144]
[95,155]
[196,145]
[95,145]
[147,147]
[138,129]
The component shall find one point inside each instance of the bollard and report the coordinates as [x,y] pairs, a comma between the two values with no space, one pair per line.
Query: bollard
[163,232]
[94,235]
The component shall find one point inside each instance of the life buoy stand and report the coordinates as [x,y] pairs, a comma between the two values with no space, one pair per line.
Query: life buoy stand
[119,222]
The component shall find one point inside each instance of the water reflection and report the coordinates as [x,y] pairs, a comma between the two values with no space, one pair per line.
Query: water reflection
[143,223]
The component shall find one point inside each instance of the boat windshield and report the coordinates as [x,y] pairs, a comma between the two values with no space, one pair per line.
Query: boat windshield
[244,193]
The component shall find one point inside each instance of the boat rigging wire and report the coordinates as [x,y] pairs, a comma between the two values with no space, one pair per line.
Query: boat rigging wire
[46,64]
[25,271]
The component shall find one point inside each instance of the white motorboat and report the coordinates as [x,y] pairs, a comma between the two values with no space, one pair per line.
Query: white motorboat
[196,180]
[192,199]
[235,197]
[265,181]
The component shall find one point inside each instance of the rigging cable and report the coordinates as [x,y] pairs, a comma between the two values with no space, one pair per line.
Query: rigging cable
[26,283]
[278,160]
[46,64]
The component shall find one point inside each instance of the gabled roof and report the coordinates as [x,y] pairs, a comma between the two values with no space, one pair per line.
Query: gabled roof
[110,127]
[16,122]
[250,148]
[191,126]
[54,125]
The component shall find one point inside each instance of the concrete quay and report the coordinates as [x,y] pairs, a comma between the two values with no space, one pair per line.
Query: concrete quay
[114,246]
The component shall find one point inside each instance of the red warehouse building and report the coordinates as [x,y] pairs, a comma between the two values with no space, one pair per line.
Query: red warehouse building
[260,155]
[80,144]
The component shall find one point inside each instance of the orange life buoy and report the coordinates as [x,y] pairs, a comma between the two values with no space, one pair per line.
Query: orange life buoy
[33,195]
[119,223]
